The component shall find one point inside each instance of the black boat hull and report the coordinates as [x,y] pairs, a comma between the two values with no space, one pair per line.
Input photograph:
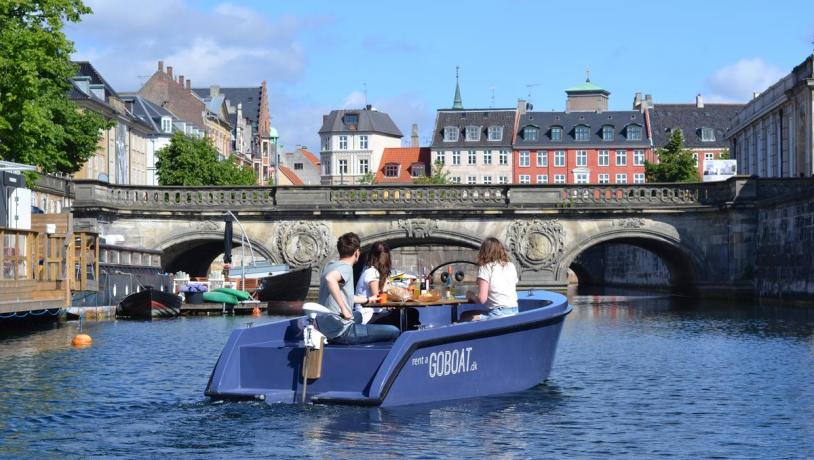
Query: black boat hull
[289,286]
[149,304]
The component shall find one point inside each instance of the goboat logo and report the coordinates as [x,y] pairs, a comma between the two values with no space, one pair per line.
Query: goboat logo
[448,362]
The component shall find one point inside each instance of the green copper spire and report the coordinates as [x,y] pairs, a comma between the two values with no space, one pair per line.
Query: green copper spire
[457,103]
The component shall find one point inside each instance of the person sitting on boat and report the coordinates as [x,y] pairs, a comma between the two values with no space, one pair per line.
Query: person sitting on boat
[336,294]
[497,283]
[372,282]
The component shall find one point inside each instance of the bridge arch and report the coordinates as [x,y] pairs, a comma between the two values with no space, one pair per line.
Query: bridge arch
[205,246]
[397,238]
[684,263]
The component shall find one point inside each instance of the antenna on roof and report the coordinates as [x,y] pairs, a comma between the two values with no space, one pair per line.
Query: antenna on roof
[587,74]
[492,100]
[365,86]
[530,86]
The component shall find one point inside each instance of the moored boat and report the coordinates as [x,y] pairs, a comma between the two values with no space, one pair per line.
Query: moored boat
[149,303]
[292,285]
[441,360]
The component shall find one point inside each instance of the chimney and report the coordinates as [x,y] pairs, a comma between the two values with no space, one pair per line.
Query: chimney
[648,99]
[324,119]
[189,84]
[169,70]
[699,101]
[161,66]
[755,95]
[521,106]
[181,80]
[214,90]
[414,136]
[637,101]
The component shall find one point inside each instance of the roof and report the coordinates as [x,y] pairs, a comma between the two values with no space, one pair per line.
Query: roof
[310,156]
[86,69]
[370,121]
[690,118]
[147,111]
[291,175]
[587,87]
[405,157]
[619,120]
[249,97]
[483,118]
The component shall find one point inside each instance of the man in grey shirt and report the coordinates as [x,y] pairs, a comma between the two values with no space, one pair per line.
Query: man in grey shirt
[336,294]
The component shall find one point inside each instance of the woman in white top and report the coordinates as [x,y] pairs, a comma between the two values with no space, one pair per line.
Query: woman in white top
[373,280]
[497,282]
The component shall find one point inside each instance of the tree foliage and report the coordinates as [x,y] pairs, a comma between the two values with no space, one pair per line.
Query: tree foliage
[675,163]
[194,162]
[439,176]
[39,125]
[367,178]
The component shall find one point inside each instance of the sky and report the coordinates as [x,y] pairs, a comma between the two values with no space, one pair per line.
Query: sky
[401,57]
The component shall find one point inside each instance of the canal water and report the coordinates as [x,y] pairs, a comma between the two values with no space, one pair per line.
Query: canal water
[637,374]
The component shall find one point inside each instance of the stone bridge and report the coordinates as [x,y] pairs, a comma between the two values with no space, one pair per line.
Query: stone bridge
[706,234]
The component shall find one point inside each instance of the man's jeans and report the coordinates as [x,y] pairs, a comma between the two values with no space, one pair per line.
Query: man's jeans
[367,333]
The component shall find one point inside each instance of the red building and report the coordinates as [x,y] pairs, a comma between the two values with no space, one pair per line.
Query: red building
[400,165]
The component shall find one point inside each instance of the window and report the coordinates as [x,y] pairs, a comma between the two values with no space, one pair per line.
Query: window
[607,133]
[542,158]
[530,133]
[634,133]
[502,180]
[603,158]
[166,124]
[525,179]
[604,179]
[638,178]
[471,180]
[621,158]
[503,157]
[707,135]
[525,159]
[343,142]
[456,157]
[487,180]
[559,178]
[581,178]
[487,157]
[440,157]
[472,157]
[417,170]
[559,158]
[364,166]
[709,156]
[343,167]
[472,133]
[582,133]
[556,133]
[363,142]
[455,180]
[298,166]
[391,170]
[495,133]
[542,178]
[351,120]
[621,178]
[451,134]
[638,158]
[582,158]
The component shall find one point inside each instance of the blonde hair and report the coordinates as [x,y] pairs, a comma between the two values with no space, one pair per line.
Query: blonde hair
[492,250]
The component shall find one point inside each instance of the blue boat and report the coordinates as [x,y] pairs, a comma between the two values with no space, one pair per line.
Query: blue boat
[440,360]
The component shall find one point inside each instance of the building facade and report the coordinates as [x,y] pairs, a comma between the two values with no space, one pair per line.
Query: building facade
[163,90]
[352,143]
[303,163]
[773,135]
[402,165]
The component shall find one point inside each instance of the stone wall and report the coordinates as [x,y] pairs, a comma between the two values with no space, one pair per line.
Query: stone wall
[622,265]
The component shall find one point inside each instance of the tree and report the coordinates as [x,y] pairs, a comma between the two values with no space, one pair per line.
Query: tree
[194,162]
[438,177]
[39,125]
[367,178]
[724,154]
[675,163]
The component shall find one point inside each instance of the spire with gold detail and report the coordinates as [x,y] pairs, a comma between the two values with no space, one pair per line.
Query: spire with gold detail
[457,103]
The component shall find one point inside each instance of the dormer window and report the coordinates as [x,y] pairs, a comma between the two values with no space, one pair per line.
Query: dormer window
[531,133]
[417,170]
[582,133]
[391,170]
[707,135]
[451,134]
[634,132]
[495,133]
[607,133]
[166,124]
[351,121]
[556,133]
[472,133]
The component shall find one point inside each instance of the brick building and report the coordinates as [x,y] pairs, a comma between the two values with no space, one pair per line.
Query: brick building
[176,96]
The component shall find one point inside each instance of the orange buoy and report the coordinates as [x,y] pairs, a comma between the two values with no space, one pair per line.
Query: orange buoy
[256,311]
[81,340]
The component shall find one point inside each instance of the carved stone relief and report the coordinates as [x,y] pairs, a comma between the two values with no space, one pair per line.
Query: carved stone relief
[629,222]
[303,244]
[536,244]
[418,228]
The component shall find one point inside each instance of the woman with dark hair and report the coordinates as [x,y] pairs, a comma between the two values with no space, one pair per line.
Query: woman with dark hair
[497,282]
[373,280]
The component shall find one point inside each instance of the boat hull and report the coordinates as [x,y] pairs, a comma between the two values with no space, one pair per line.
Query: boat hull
[149,304]
[290,286]
[446,362]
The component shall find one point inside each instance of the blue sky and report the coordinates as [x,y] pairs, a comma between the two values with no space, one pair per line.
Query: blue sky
[321,55]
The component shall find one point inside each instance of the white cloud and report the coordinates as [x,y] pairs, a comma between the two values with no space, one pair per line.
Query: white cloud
[736,82]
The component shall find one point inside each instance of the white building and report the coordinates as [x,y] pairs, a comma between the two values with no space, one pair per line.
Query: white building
[352,143]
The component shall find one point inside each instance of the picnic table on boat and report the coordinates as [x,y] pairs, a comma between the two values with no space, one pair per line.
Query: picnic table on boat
[402,307]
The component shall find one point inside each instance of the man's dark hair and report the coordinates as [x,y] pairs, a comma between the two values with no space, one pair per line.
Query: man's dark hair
[347,244]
